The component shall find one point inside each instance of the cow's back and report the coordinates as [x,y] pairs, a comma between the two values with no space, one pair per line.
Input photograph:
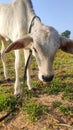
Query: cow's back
[13,19]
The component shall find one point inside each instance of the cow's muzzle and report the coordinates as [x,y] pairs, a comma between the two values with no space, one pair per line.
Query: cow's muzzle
[47,79]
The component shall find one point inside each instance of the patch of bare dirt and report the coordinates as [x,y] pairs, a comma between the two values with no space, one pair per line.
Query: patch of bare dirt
[50,121]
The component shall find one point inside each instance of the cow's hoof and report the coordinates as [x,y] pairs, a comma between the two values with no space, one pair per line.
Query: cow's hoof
[8,80]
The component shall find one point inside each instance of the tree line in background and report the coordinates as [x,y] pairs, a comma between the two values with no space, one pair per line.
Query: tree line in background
[66,33]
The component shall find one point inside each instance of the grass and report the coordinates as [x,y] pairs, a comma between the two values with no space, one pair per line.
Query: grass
[34,109]
[6,102]
[61,86]
[56,104]
[63,108]
[68,93]
[66,110]
[54,87]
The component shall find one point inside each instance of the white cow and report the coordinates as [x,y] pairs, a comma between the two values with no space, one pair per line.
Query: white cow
[15,20]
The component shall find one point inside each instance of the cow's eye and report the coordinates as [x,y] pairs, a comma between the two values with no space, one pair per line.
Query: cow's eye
[35,50]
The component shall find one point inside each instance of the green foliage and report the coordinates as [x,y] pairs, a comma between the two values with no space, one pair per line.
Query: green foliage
[66,33]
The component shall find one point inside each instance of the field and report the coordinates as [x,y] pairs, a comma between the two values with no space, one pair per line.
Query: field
[50,107]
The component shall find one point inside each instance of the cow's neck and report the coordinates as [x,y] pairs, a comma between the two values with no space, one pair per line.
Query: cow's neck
[28,14]
[31,14]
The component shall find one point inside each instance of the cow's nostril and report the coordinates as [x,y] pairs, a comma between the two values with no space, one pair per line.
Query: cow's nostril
[47,79]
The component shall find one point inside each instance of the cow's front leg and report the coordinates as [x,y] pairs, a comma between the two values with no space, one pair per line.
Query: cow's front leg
[17,72]
[29,83]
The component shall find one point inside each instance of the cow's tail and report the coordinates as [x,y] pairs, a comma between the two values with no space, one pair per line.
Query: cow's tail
[66,45]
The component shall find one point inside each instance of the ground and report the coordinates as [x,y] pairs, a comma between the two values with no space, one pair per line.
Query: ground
[49,107]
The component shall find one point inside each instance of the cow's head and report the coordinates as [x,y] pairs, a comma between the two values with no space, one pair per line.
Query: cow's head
[44,44]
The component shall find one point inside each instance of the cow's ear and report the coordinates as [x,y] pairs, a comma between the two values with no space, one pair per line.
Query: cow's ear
[66,44]
[20,44]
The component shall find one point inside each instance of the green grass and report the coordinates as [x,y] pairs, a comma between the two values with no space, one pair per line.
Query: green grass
[62,86]
[6,102]
[63,108]
[54,87]
[68,93]
[34,109]
[66,110]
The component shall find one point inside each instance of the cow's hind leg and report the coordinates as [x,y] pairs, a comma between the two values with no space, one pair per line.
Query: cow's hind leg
[3,57]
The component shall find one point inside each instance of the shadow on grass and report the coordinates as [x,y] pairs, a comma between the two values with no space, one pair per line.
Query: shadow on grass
[10,118]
